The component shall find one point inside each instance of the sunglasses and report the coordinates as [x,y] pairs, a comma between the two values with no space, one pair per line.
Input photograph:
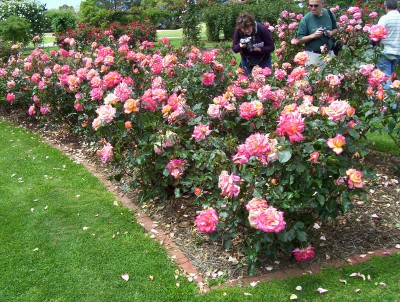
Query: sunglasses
[313,5]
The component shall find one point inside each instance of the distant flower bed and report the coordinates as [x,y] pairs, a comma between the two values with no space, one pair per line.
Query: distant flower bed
[85,35]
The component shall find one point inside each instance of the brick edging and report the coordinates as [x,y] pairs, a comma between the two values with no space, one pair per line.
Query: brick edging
[314,268]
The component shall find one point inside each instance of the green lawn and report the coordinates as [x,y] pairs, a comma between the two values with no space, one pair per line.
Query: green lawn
[64,239]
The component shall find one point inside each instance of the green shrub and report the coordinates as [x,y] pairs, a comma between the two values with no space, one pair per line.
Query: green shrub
[15,29]
[5,50]
[63,21]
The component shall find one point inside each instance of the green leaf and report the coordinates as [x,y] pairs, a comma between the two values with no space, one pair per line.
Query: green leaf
[301,236]
[177,193]
[284,156]
[320,198]
[354,134]
[345,202]
[287,236]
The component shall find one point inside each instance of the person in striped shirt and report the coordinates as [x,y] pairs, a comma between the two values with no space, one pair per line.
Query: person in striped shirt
[391,45]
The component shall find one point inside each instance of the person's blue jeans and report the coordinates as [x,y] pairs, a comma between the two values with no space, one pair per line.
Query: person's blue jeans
[266,62]
[388,66]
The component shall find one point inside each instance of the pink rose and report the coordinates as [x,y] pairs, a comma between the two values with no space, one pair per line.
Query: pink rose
[106,153]
[303,254]
[336,143]
[271,220]
[200,132]
[354,178]
[227,183]
[207,221]
[314,157]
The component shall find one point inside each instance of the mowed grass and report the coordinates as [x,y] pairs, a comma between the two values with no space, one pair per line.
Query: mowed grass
[381,141]
[63,239]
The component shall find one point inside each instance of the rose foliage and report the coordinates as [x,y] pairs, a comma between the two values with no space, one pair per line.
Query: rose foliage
[263,157]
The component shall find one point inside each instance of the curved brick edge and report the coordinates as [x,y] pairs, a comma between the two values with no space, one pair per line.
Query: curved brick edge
[189,269]
[313,268]
[152,228]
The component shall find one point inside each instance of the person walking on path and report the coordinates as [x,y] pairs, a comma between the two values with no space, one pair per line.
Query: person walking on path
[254,42]
[316,30]
[390,56]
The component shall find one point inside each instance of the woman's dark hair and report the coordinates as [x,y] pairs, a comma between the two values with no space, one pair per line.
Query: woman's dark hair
[245,20]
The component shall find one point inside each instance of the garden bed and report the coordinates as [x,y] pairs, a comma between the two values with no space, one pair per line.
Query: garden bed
[371,225]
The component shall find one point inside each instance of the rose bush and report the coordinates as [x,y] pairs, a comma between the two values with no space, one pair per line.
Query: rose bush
[264,157]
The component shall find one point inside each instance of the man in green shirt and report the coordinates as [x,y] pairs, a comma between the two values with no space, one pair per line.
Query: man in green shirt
[316,30]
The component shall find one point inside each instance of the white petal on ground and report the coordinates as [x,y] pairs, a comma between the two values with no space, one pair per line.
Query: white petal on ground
[299,288]
[321,290]
[125,277]
[293,297]
[254,283]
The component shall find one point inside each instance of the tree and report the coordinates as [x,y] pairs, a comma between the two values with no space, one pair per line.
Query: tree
[33,12]
[122,5]
[63,21]
[15,29]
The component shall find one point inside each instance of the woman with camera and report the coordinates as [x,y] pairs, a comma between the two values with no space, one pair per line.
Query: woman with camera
[254,42]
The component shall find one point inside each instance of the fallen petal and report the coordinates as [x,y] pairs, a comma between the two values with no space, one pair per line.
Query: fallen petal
[357,290]
[343,281]
[247,294]
[254,283]
[125,277]
[293,297]
[299,288]
[316,226]
[321,290]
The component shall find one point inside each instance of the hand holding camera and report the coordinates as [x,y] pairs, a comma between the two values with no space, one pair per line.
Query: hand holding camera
[322,31]
[247,43]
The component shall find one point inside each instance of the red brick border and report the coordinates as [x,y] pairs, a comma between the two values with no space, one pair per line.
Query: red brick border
[183,262]
[314,268]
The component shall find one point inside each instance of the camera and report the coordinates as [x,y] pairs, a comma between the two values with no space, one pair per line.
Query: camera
[248,42]
[325,32]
